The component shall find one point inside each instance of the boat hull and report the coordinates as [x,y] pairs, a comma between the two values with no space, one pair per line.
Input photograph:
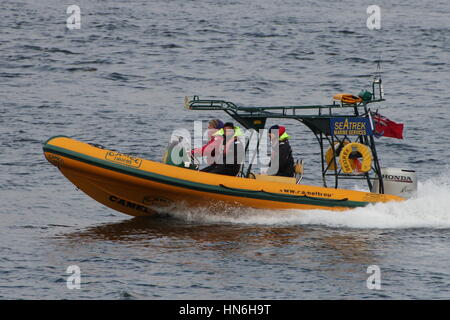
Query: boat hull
[140,187]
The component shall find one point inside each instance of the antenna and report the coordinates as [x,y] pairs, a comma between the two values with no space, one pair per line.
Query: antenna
[377,80]
[378,71]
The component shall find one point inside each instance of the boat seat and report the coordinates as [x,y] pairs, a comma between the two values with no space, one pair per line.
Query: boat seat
[275,178]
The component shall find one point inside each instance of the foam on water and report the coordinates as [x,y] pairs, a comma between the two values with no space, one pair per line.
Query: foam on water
[429,209]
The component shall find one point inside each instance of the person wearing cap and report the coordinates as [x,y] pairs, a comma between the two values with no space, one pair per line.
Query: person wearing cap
[214,126]
[281,151]
[230,153]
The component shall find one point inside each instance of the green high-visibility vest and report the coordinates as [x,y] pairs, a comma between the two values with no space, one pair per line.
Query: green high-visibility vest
[284,136]
[237,132]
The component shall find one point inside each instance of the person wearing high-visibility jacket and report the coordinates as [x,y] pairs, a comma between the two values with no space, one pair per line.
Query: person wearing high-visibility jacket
[282,162]
[229,151]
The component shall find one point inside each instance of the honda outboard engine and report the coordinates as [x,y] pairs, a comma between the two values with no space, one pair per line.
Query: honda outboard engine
[400,182]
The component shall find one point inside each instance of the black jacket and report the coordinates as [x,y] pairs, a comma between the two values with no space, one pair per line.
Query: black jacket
[233,159]
[228,163]
[285,160]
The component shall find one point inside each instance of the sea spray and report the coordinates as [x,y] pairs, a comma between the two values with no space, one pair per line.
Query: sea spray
[429,209]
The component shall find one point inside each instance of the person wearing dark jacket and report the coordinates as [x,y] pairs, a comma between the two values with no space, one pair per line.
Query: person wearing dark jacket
[231,151]
[281,158]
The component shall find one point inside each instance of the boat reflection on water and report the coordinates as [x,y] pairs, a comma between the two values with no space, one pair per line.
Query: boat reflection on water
[144,229]
[289,244]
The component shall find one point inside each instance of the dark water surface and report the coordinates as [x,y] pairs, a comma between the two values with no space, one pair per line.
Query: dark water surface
[120,81]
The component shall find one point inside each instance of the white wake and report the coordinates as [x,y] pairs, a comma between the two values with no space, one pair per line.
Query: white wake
[429,209]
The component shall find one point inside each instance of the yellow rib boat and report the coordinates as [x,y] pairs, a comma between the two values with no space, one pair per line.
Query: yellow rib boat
[140,187]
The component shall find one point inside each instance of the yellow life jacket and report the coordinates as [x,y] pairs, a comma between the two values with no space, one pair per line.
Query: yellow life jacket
[284,136]
[347,98]
[237,132]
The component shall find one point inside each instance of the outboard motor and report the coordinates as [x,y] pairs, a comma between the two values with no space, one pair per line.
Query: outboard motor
[400,182]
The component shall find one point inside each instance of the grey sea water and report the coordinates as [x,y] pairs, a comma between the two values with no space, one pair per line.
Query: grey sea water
[120,81]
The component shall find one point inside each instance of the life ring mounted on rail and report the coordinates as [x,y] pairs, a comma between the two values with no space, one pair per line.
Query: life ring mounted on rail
[331,162]
[347,163]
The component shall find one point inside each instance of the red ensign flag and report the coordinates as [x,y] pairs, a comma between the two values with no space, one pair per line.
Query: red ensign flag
[387,128]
